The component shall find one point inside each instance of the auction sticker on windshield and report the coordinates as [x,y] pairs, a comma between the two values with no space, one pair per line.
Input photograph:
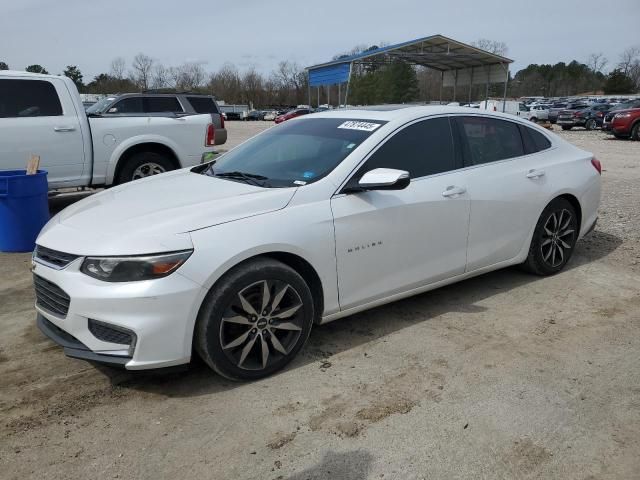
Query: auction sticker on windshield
[355,125]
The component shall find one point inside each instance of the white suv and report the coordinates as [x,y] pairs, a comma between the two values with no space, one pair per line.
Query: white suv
[308,222]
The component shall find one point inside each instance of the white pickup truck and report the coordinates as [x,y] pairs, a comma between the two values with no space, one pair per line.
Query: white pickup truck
[43,115]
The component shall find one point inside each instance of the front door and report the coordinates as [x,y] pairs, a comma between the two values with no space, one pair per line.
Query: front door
[389,242]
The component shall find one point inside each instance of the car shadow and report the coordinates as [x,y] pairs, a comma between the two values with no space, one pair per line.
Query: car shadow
[326,340]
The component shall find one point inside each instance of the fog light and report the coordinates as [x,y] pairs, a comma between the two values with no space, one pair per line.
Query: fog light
[113,334]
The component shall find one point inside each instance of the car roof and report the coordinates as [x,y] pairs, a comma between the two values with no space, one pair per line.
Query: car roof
[405,112]
[18,73]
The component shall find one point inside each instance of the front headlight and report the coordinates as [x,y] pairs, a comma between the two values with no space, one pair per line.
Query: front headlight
[131,269]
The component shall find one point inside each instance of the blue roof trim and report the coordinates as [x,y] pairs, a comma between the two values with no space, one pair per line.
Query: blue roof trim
[329,75]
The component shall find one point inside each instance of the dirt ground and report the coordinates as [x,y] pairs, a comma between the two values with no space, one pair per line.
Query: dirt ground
[503,376]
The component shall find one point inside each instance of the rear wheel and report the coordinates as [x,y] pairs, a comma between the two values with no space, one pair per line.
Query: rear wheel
[255,320]
[143,164]
[554,238]
[635,132]
[591,124]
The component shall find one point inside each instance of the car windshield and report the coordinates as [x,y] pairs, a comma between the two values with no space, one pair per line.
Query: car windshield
[295,153]
[100,105]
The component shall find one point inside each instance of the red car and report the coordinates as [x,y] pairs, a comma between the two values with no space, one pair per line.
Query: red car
[626,124]
[292,114]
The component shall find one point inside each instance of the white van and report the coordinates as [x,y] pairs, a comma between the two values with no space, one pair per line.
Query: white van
[513,107]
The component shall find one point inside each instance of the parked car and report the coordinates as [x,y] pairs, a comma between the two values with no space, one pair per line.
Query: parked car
[308,222]
[555,109]
[539,113]
[626,124]
[590,117]
[567,117]
[270,115]
[43,115]
[255,115]
[608,118]
[159,104]
[292,114]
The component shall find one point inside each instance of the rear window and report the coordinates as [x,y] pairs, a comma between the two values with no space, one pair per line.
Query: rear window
[28,98]
[162,105]
[203,104]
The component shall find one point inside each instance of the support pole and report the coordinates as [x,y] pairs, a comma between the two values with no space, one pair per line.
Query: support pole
[328,95]
[318,90]
[455,85]
[470,85]
[441,84]
[506,81]
[339,93]
[309,92]
[346,93]
[486,92]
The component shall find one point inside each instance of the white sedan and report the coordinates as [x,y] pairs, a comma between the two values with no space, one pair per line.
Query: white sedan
[308,222]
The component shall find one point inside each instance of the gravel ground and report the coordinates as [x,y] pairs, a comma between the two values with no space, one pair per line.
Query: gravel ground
[501,376]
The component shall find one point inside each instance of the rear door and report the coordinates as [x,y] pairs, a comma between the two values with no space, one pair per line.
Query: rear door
[38,117]
[506,182]
[389,242]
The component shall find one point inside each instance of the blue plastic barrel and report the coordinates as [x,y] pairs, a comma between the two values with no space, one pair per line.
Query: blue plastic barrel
[24,209]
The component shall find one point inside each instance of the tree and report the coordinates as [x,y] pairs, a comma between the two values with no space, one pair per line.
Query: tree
[628,58]
[492,46]
[4,66]
[618,82]
[597,62]
[73,72]
[142,70]
[36,69]
[118,67]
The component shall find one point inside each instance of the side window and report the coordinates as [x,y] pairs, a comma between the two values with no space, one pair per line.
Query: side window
[162,105]
[28,98]
[424,148]
[203,104]
[490,139]
[534,141]
[127,105]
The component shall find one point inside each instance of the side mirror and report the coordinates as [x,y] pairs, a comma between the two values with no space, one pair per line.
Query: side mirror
[384,179]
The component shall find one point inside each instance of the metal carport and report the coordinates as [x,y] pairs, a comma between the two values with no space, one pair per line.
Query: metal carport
[460,64]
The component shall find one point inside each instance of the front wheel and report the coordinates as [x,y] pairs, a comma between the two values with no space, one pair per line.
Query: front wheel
[591,124]
[144,164]
[255,320]
[635,132]
[554,238]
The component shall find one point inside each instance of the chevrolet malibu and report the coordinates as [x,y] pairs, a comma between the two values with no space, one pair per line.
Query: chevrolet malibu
[310,221]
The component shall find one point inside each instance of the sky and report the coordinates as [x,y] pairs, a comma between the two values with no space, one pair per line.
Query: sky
[260,33]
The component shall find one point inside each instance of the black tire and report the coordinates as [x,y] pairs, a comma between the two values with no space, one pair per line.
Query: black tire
[146,161]
[543,258]
[566,127]
[620,137]
[591,124]
[635,132]
[534,119]
[223,303]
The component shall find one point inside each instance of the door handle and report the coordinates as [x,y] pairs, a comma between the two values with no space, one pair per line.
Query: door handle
[64,129]
[452,191]
[535,173]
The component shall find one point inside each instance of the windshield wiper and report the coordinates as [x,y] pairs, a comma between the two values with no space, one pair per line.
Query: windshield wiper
[250,178]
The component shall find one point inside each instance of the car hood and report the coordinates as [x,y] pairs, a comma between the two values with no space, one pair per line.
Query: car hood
[156,214]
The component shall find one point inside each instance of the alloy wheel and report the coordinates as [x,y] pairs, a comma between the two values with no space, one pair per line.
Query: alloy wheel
[262,324]
[557,237]
[146,170]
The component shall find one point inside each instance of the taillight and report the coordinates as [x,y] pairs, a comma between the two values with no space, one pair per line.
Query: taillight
[221,121]
[597,165]
[210,139]
[599,114]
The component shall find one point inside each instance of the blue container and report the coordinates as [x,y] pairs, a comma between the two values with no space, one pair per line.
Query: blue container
[24,209]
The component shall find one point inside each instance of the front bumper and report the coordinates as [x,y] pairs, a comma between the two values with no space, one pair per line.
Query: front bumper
[160,313]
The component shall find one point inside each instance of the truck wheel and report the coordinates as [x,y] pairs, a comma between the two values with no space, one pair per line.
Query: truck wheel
[534,119]
[635,132]
[591,124]
[143,164]
[566,127]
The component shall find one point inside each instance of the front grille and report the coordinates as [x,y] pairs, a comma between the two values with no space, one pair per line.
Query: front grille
[51,297]
[108,333]
[53,257]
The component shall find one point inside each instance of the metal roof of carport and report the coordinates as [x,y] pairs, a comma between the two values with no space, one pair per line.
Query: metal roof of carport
[437,51]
